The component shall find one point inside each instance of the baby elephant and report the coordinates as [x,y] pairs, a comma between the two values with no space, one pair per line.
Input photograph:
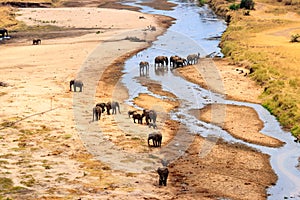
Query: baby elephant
[156,138]
[163,173]
[152,125]
[131,112]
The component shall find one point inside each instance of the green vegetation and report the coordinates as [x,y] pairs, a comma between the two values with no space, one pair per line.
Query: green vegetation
[234,6]
[7,186]
[202,2]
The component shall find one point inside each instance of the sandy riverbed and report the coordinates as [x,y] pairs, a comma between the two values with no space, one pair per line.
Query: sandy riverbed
[44,153]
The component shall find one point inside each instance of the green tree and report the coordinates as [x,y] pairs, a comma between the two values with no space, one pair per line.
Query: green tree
[247,4]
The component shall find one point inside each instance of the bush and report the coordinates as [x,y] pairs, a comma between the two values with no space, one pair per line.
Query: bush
[294,38]
[234,6]
[247,4]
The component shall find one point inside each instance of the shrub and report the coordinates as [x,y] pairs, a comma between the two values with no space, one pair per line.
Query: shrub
[201,2]
[234,6]
[247,4]
[294,38]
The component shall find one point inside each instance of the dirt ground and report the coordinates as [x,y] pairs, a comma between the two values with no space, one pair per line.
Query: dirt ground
[44,152]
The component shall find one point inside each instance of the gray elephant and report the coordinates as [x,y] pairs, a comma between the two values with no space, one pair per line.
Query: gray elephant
[3,32]
[75,84]
[152,125]
[163,173]
[193,59]
[161,60]
[150,116]
[97,113]
[156,138]
[113,105]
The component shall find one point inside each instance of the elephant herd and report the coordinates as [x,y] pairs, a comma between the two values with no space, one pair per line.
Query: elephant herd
[101,107]
[150,119]
[174,62]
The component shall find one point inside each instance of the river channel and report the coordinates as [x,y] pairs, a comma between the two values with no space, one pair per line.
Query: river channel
[192,33]
[195,30]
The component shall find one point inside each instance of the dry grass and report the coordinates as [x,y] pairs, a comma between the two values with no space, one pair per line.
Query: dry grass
[261,41]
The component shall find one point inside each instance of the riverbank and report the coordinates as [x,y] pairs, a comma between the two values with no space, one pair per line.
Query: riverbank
[52,161]
[260,41]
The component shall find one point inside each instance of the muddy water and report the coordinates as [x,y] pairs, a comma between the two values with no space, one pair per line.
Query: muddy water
[192,33]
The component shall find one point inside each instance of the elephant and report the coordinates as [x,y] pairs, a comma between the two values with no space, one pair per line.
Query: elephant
[137,116]
[163,173]
[152,125]
[173,60]
[180,62]
[4,32]
[102,106]
[193,58]
[150,115]
[131,112]
[156,138]
[176,61]
[97,113]
[113,105]
[143,65]
[76,83]
[36,41]
[297,139]
[163,60]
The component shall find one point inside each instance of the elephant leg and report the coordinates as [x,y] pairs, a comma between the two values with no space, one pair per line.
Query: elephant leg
[160,181]
[165,181]
[80,88]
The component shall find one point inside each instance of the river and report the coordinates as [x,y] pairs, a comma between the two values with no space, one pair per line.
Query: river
[191,34]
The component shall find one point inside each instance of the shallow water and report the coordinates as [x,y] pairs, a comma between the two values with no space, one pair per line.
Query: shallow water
[190,33]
